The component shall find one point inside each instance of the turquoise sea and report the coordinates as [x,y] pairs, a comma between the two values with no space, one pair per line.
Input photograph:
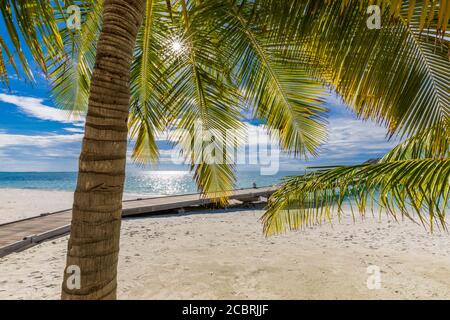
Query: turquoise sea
[141,182]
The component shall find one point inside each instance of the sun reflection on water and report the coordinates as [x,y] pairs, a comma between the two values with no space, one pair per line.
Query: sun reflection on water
[161,182]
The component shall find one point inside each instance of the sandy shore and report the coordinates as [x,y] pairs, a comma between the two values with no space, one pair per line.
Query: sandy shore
[16,204]
[223,255]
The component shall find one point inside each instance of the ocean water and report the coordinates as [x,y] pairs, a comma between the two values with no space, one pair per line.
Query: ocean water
[149,183]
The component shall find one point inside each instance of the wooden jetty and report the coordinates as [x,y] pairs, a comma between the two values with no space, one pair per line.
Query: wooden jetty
[22,234]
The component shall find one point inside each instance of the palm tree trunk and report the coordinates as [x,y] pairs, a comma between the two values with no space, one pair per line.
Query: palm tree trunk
[93,247]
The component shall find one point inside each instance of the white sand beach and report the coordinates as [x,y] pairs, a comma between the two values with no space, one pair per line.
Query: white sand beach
[222,254]
[16,204]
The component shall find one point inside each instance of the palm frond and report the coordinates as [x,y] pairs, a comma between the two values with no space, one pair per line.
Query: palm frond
[203,102]
[288,102]
[400,187]
[265,55]
[29,24]
[6,58]
[432,143]
[148,117]
[397,75]
[71,71]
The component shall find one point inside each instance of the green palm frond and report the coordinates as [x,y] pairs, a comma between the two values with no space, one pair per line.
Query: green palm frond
[397,75]
[288,101]
[71,72]
[6,57]
[421,186]
[287,16]
[29,24]
[149,84]
[203,102]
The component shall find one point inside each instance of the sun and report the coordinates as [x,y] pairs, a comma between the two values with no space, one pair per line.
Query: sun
[177,46]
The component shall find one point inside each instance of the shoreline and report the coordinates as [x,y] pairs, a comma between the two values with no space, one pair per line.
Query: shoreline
[17,204]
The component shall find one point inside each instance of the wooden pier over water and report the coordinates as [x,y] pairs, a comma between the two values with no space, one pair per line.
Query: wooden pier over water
[19,235]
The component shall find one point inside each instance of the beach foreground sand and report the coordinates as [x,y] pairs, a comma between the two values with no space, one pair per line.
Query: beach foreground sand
[222,254]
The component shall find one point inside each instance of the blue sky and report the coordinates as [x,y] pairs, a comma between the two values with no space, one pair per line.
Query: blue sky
[35,136]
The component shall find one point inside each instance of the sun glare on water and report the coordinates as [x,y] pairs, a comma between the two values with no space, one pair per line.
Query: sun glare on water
[160,182]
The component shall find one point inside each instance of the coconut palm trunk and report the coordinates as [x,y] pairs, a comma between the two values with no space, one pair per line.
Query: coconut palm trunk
[93,247]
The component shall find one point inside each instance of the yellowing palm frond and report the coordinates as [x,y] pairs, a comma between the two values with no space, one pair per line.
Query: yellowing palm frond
[264,55]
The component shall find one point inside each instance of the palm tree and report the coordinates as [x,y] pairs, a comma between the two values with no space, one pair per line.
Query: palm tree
[209,59]
[174,88]
[98,196]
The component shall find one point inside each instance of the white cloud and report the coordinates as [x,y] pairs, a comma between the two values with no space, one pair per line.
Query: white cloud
[350,141]
[80,123]
[34,107]
[53,152]
[19,140]
[74,130]
[352,136]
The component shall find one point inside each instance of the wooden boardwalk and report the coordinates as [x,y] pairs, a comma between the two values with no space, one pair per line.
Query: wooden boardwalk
[19,235]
